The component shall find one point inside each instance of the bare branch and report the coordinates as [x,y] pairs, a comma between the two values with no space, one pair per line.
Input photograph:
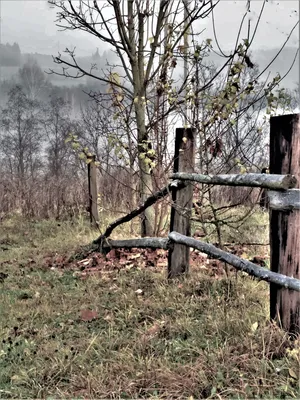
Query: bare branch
[149,201]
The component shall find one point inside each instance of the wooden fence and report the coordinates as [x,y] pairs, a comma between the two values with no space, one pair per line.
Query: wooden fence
[282,185]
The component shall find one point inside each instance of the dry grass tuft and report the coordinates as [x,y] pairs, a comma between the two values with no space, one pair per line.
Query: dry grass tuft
[62,336]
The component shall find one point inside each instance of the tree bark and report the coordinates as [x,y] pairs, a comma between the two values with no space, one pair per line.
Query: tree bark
[145,178]
[137,60]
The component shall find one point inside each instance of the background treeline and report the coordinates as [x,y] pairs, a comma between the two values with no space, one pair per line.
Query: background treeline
[10,55]
[47,129]
[40,174]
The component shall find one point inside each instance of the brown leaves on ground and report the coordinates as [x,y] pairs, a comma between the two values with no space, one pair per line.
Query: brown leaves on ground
[116,259]
[259,260]
[89,263]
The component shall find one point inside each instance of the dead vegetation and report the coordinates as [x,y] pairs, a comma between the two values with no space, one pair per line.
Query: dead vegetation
[75,324]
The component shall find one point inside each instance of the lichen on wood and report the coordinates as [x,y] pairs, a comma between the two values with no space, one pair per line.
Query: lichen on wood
[238,263]
[275,182]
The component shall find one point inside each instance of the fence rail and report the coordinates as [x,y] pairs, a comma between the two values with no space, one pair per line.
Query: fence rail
[284,200]
[239,263]
[275,182]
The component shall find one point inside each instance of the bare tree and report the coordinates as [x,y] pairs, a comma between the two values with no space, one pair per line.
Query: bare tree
[32,79]
[233,133]
[151,41]
[57,126]
[135,30]
[113,141]
[21,140]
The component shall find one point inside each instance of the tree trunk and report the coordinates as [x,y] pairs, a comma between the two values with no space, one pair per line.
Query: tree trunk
[145,188]
[136,49]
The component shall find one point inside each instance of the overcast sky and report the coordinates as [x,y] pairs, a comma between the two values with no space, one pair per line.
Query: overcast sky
[31,24]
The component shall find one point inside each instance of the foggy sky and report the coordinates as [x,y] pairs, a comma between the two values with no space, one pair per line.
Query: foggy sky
[31,24]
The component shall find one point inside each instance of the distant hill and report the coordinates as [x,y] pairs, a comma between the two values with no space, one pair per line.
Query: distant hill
[260,57]
[281,64]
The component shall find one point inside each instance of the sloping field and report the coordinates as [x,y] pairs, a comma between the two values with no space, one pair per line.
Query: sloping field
[76,325]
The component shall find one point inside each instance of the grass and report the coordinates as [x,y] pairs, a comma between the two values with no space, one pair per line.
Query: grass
[202,337]
[240,225]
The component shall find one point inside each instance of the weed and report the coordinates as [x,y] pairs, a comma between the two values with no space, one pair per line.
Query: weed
[130,333]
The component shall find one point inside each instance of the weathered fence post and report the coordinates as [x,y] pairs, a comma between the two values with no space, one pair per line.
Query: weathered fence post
[179,255]
[285,225]
[93,194]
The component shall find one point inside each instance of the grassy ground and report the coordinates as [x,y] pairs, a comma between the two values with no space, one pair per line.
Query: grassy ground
[126,332]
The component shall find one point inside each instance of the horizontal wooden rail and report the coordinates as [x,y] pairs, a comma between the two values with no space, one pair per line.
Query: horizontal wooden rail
[284,201]
[142,243]
[238,263]
[268,181]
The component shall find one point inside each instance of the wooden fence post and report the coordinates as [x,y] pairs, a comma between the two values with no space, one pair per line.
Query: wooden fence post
[93,194]
[182,199]
[285,225]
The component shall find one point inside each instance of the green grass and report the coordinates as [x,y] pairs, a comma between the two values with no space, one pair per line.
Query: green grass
[239,225]
[203,337]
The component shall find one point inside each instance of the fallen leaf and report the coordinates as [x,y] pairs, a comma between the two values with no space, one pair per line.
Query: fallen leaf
[108,317]
[114,288]
[113,254]
[254,327]
[259,260]
[84,262]
[16,378]
[3,276]
[27,352]
[25,296]
[88,315]
[153,330]
[133,256]
[161,264]
[293,374]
